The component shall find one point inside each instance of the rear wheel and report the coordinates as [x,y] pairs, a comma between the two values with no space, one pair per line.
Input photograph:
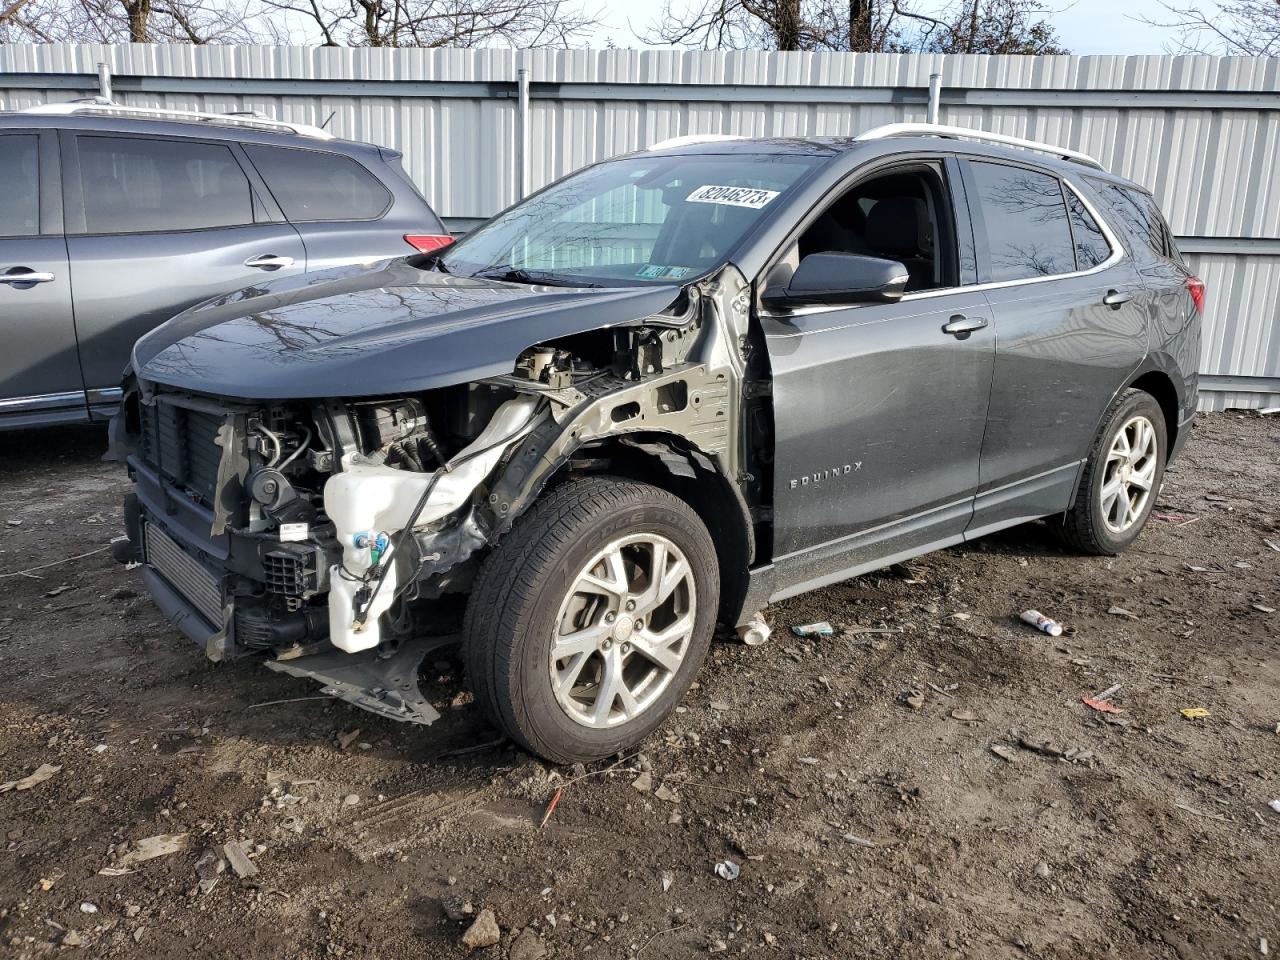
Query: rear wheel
[1122,477]
[591,618]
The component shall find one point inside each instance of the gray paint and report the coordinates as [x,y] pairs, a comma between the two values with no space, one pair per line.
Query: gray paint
[1201,132]
[70,338]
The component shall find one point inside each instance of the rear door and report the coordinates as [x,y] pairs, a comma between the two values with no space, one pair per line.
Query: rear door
[343,212]
[39,370]
[1069,332]
[155,225]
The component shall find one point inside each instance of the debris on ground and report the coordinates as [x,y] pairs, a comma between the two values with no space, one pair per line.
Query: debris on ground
[210,866]
[820,629]
[1274,805]
[555,800]
[914,699]
[1042,623]
[728,870]
[238,859]
[41,774]
[1004,753]
[148,848]
[527,946]
[1194,713]
[456,907]
[483,932]
[643,783]
[755,631]
[1100,705]
[1122,612]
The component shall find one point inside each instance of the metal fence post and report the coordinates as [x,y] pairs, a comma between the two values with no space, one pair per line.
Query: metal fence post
[104,81]
[522,122]
[935,96]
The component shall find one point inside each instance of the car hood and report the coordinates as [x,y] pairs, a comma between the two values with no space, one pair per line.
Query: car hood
[373,329]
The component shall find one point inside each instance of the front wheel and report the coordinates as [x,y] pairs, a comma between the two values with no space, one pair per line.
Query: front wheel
[590,619]
[1122,477]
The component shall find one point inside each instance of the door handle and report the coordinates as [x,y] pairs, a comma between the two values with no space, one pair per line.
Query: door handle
[25,275]
[269,261]
[1115,298]
[961,326]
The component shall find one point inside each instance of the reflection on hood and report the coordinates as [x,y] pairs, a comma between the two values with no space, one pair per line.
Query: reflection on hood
[374,329]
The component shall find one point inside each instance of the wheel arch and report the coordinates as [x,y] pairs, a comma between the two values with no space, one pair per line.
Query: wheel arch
[670,463]
[1162,388]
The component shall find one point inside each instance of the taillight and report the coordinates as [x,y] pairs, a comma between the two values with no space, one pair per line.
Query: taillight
[1195,287]
[428,242]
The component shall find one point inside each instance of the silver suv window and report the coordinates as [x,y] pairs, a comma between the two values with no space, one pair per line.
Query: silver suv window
[1027,231]
[311,185]
[141,185]
[20,198]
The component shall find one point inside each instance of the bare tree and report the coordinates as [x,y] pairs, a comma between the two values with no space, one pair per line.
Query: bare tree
[377,23]
[136,21]
[1246,28]
[438,23]
[895,26]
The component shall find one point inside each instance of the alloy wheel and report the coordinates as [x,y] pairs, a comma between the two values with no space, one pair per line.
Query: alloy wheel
[1129,474]
[623,630]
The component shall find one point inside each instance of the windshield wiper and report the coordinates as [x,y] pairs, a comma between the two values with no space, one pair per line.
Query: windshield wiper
[519,275]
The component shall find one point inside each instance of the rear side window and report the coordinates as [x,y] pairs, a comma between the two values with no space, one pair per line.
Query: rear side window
[1091,244]
[20,198]
[135,185]
[1141,218]
[1027,231]
[310,185]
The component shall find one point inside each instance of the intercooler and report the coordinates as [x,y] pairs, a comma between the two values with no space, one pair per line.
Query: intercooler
[201,588]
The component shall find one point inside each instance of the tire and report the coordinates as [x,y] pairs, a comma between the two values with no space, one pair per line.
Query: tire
[554,582]
[1095,524]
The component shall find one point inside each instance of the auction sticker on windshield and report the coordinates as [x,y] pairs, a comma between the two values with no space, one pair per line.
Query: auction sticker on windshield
[732,196]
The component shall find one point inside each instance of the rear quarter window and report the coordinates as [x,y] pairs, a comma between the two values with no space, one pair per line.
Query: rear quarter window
[1137,214]
[311,185]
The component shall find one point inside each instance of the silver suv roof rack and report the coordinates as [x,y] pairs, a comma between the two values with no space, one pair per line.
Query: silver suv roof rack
[252,120]
[968,133]
[693,138]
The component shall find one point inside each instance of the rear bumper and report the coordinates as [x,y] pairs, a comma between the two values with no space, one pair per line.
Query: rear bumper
[1181,436]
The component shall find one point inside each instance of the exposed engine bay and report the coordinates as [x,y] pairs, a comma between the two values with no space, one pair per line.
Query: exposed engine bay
[312,530]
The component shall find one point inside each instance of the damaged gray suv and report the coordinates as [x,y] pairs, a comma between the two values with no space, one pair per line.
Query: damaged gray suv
[650,399]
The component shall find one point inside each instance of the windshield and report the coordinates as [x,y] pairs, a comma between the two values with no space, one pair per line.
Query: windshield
[633,221]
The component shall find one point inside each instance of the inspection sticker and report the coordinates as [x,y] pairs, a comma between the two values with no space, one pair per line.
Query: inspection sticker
[733,196]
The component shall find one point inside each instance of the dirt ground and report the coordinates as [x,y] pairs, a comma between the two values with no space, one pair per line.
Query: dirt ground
[937,789]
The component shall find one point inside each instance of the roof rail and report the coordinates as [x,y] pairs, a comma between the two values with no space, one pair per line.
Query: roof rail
[693,138]
[967,133]
[249,120]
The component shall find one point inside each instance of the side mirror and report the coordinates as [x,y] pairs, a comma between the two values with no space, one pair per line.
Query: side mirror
[834,278]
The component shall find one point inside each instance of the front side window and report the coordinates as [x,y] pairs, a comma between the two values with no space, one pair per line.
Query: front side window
[903,216]
[1092,248]
[311,185]
[136,185]
[20,198]
[638,220]
[1027,232]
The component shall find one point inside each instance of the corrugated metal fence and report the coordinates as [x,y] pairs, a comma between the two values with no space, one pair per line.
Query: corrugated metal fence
[1202,132]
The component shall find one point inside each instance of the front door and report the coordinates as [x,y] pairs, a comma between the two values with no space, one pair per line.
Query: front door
[39,370]
[157,226]
[879,409]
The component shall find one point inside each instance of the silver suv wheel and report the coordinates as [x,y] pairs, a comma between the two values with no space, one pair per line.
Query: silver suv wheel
[623,630]
[1129,474]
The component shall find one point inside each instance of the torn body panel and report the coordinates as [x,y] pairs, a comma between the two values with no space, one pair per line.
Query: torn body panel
[347,521]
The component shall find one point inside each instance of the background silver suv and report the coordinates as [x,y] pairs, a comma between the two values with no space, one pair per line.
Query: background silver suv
[114,219]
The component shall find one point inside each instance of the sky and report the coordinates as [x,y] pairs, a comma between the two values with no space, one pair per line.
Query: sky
[1085,26]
